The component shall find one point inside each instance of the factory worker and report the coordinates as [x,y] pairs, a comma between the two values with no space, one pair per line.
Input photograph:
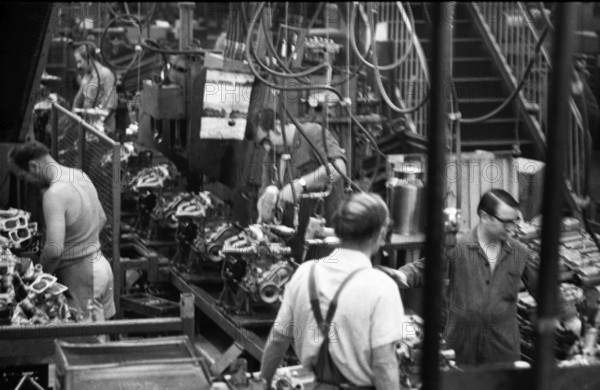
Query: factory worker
[307,174]
[97,89]
[74,217]
[367,326]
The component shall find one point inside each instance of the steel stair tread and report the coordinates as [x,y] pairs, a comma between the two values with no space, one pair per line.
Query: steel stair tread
[471,59]
[477,78]
[468,59]
[456,40]
[494,142]
[480,100]
[455,21]
[491,121]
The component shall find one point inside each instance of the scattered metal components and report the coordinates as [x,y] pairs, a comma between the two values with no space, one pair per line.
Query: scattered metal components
[28,295]
[410,353]
[15,228]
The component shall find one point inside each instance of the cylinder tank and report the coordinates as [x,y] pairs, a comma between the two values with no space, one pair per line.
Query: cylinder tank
[406,201]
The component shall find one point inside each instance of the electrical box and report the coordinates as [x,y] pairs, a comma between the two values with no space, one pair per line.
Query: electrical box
[160,363]
[163,101]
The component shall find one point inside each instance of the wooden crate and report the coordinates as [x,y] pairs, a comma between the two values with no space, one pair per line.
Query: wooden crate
[167,363]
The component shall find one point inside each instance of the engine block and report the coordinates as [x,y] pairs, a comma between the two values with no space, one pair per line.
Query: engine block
[257,265]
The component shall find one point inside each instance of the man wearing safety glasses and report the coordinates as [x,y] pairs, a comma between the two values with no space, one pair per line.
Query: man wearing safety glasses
[74,217]
[485,268]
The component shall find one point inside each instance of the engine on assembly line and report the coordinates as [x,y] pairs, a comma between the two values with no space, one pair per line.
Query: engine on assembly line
[202,227]
[257,265]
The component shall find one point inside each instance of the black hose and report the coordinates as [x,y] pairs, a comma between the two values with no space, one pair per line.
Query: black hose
[544,16]
[310,25]
[514,93]
[304,88]
[108,63]
[317,152]
[286,148]
[158,49]
[299,76]
[380,82]
[324,140]
[391,66]
[281,62]
[91,60]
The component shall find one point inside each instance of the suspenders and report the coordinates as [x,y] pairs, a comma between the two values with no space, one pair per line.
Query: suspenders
[325,370]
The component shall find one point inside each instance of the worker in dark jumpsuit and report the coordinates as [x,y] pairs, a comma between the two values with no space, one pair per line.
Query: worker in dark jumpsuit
[305,173]
[485,268]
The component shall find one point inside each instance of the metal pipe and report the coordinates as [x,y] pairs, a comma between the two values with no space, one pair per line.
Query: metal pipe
[554,200]
[54,136]
[116,225]
[84,124]
[440,76]
[346,134]
[186,29]
[81,146]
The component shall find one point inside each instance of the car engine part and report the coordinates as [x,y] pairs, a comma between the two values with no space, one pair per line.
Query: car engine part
[257,265]
[202,228]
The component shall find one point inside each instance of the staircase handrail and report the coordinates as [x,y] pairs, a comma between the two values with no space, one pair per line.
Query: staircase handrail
[411,76]
[509,27]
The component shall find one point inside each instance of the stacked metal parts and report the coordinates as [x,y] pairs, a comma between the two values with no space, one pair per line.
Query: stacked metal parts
[579,272]
[27,294]
[565,340]
[577,252]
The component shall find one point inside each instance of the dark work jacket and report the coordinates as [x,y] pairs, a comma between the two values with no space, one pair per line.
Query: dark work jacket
[303,161]
[480,306]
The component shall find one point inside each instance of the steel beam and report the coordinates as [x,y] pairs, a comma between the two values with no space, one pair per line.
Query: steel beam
[554,193]
[249,340]
[440,77]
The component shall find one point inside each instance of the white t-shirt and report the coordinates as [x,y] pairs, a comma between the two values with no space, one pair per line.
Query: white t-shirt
[369,314]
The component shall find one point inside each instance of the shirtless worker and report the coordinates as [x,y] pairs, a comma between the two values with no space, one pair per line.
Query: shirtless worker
[73,217]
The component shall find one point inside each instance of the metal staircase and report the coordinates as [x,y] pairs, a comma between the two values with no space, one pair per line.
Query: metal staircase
[478,84]
[512,35]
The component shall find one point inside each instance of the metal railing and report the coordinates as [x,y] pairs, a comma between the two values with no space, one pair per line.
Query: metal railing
[76,144]
[515,33]
[410,79]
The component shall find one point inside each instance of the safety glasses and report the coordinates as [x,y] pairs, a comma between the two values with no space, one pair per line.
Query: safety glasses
[507,223]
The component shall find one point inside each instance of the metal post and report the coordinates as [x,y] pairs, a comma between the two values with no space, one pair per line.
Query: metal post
[186,29]
[116,225]
[554,191]
[186,310]
[81,145]
[346,136]
[54,134]
[442,41]
[186,13]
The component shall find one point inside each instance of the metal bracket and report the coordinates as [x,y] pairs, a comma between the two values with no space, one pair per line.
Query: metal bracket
[232,353]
